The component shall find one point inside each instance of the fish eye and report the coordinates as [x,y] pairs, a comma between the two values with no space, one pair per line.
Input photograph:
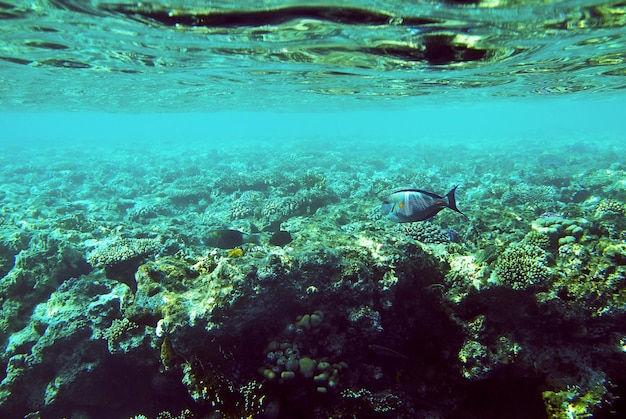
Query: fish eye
[386,202]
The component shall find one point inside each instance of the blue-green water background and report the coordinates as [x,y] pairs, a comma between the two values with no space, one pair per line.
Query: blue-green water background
[486,123]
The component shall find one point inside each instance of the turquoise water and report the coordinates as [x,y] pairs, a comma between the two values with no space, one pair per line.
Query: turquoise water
[492,122]
[147,147]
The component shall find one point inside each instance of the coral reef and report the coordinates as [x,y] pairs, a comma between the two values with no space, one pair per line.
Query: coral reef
[542,196]
[522,265]
[426,232]
[118,251]
[112,305]
[120,258]
[609,206]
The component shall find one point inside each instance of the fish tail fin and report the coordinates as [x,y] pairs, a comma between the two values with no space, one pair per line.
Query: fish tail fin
[451,197]
[253,238]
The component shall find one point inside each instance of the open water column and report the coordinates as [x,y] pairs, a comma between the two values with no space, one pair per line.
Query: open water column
[305,209]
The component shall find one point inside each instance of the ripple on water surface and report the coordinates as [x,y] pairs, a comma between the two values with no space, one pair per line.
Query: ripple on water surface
[189,56]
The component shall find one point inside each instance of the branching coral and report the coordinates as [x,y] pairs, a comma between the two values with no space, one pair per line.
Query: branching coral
[425,232]
[522,266]
[119,330]
[540,196]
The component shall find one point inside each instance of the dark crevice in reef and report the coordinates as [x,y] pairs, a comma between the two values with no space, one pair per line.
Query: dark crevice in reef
[277,16]
[124,385]
[495,396]
[7,259]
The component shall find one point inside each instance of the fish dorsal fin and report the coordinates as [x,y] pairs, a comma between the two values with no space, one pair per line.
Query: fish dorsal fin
[431,194]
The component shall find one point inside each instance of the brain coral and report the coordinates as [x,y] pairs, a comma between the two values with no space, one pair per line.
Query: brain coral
[522,265]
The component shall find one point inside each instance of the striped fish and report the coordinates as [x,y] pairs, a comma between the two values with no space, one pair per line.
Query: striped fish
[409,205]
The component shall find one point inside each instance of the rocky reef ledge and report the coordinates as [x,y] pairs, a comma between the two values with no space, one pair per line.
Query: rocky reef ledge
[357,320]
[113,305]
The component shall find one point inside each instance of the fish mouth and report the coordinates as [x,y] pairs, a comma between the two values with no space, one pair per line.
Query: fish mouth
[386,208]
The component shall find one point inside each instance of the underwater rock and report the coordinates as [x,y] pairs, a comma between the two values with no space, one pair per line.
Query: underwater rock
[144,212]
[477,360]
[7,258]
[208,314]
[247,205]
[353,319]
[616,253]
[37,270]
[116,251]
[55,362]
[574,402]
[610,219]
[303,202]
[466,274]
[573,257]
[123,336]
[366,320]
[120,258]
[378,403]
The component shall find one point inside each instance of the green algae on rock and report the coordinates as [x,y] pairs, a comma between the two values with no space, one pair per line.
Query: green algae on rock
[616,253]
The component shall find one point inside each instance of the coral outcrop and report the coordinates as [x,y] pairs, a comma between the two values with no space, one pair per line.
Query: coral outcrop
[522,265]
[114,305]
